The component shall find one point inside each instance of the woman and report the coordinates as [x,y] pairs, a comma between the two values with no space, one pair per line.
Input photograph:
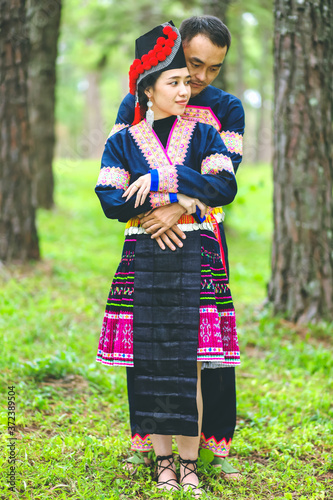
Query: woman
[169,314]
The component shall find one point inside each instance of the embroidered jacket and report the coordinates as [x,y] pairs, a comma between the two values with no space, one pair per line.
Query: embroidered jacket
[212,106]
[195,162]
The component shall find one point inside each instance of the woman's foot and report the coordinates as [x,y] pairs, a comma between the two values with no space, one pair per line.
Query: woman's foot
[166,473]
[188,476]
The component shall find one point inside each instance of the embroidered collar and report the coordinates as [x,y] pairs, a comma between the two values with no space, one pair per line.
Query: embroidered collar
[152,149]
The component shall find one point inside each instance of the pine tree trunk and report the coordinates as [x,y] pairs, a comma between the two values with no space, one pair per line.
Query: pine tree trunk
[218,8]
[301,285]
[18,235]
[43,21]
[94,118]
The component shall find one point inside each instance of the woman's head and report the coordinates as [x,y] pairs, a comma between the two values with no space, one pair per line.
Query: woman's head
[157,52]
[169,92]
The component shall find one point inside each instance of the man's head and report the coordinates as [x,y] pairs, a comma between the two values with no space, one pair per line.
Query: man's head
[206,41]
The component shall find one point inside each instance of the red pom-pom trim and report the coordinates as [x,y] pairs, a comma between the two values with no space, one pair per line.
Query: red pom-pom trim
[140,69]
[160,56]
[136,62]
[161,40]
[173,35]
[146,66]
[158,47]
[151,53]
[144,58]
[169,43]
[167,30]
[154,60]
[167,50]
[134,75]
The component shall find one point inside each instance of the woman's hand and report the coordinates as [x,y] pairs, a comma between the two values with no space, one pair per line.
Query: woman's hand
[142,187]
[190,204]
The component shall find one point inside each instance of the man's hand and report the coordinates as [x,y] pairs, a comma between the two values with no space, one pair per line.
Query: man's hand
[161,224]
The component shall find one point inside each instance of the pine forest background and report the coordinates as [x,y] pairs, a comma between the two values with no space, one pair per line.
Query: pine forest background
[58,252]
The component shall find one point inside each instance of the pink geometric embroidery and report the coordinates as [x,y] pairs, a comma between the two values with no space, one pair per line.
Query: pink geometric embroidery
[220,449]
[159,199]
[179,141]
[202,115]
[168,180]
[216,163]
[233,141]
[149,145]
[115,345]
[141,444]
[113,176]
[116,128]
[210,345]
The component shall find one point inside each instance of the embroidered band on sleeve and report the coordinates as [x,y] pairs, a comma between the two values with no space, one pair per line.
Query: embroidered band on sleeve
[216,163]
[168,179]
[233,141]
[159,199]
[113,176]
[117,127]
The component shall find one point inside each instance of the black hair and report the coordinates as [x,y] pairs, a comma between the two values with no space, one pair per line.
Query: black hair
[147,81]
[210,26]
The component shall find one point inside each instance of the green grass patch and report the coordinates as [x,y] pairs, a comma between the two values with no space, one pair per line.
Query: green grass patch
[72,414]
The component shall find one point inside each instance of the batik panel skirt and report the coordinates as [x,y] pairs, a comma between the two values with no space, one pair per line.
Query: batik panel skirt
[217,343]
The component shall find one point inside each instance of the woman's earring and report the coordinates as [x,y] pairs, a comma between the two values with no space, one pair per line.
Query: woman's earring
[150,114]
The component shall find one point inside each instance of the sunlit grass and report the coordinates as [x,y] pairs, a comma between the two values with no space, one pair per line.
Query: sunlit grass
[72,414]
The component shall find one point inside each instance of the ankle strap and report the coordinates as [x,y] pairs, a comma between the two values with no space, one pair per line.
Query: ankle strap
[166,457]
[186,463]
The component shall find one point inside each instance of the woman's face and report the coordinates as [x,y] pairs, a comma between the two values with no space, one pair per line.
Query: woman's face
[170,93]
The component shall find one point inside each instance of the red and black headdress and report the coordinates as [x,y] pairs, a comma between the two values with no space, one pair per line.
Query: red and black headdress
[159,49]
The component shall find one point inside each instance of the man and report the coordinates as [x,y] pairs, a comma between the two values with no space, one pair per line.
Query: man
[206,41]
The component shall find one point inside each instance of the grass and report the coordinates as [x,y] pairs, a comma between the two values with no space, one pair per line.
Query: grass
[72,414]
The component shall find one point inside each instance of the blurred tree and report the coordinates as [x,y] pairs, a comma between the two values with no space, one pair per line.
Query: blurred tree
[301,285]
[97,39]
[218,8]
[43,17]
[18,235]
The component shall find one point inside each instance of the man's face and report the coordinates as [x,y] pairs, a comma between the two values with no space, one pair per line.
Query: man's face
[204,61]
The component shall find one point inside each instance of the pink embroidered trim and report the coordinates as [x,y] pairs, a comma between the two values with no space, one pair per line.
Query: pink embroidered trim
[179,141]
[220,449]
[214,164]
[233,141]
[116,128]
[159,199]
[202,115]
[168,180]
[141,444]
[113,176]
[149,145]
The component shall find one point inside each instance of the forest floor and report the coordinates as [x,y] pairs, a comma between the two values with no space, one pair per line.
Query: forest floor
[71,414]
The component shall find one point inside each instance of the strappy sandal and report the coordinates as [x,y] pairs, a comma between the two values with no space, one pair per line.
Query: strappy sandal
[197,491]
[161,468]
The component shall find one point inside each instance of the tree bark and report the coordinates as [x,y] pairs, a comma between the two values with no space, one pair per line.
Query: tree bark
[43,22]
[18,235]
[301,285]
